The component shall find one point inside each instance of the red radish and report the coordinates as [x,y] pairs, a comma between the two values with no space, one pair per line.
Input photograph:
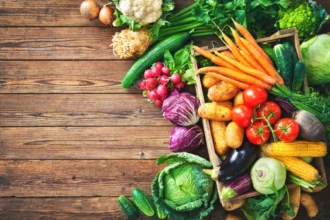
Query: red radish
[162,90]
[165,70]
[159,102]
[180,85]
[151,83]
[148,74]
[143,85]
[155,72]
[159,65]
[175,78]
[163,79]
[153,95]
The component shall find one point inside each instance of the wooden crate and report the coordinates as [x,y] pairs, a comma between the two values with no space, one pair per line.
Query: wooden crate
[239,200]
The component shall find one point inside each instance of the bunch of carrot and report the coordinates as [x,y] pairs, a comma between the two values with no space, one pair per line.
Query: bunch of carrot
[247,65]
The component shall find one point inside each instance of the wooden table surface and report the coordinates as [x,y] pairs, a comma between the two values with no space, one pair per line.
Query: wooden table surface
[71,139]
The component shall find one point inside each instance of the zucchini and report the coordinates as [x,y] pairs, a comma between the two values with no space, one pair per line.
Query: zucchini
[284,63]
[298,76]
[128,207]
[270,52]
[293,52]
[172,43]
[143,202]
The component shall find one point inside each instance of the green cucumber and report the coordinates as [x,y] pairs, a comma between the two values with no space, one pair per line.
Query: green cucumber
[160,211]
[292,50]
[172,43]
[143,202]
[298,76]
[284,63]
[270,52]
[128,207]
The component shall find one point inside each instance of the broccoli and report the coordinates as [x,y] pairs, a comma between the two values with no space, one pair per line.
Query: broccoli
[308,18]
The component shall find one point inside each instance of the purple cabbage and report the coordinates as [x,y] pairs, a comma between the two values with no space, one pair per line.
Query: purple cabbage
[181,108]
[186,139]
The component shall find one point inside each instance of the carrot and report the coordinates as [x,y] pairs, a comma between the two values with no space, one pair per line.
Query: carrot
[248,36]
[253,72]
[239,76]
[235,50]
[265,64]
[228,80]
[229,54]
[213,58]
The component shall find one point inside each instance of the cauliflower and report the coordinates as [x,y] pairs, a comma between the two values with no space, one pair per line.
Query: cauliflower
[141,11]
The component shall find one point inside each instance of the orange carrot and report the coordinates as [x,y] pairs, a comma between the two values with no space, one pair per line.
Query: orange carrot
[229,54]
[265,64]
[248,36]
[253,72]
[239,76]
[228,80]
[235,50]
[213,58]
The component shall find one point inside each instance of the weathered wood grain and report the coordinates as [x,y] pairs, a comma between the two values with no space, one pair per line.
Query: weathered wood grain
[48,178]
[63,77]
[84,142]
[48,13]
[78,110]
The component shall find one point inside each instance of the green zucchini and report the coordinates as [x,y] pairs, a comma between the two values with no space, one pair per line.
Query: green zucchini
[284,63]
[160,211]
[172,43]
[270,52]
[128,207]
[143,202]
[292,50]
[298,76]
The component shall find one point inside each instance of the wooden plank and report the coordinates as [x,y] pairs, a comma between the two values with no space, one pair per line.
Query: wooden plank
[84,142]
[48,178]
[47,13]
[78,110]
[63,77]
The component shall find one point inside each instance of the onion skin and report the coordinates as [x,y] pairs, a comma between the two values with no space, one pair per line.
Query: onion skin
[89,9]
[106,15]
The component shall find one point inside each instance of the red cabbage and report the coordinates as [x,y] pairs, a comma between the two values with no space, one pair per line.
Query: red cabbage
[181,108]
[186,139]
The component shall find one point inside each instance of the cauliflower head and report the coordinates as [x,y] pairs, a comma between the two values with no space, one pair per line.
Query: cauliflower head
[141,11]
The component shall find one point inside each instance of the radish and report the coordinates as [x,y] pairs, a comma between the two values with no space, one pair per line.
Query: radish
[148,74]
[159,65]
[153,95]
[175,78]
[143,85]
[159,102]
[156,72]
[165,70]
[151,83]
[163,79]
[180,85]
[162,90]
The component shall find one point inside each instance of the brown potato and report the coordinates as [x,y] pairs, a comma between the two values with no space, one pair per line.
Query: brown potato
[222,91]
[234,135]
[214,111]
[238,100]
[233,204]
[232,217]
[308,202]
[209,81]
[295,200]
[218,130]
[227,104]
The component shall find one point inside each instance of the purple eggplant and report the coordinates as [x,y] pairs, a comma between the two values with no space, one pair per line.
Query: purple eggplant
[237,186]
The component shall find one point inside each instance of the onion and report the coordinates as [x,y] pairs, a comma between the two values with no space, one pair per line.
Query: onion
[106,15]
[89,9]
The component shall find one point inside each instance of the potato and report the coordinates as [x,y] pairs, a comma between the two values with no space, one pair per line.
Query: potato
[218,130]
[209,81]
[232,217]
[233,204]
[234,135]
[308,202]
[295,200]
[227,104]
[238,100]
[222,91]
[214,111]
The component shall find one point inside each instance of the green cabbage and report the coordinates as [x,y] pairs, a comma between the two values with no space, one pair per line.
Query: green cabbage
[182,189]
[316,56]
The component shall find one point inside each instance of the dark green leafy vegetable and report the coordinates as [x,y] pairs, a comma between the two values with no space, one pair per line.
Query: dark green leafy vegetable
[303,183]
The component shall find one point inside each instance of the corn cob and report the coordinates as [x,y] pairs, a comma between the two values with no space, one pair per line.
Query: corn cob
[299,167]
[296,149]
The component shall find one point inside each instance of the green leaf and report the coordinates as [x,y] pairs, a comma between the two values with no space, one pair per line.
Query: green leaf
[181,58]
[189,77]
[183,157]
[169,60]
[168,5]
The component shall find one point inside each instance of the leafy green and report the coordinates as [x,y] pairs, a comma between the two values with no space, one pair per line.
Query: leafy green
[182,189]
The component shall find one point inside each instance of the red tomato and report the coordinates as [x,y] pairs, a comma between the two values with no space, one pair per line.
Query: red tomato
[286,129]
[241,115]
[254,96]
[258,133]
[271,111]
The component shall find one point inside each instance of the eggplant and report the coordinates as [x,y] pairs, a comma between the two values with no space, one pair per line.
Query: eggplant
[237,186]
[236,163]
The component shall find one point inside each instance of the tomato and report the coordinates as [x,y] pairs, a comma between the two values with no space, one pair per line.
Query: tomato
[271,111]
[241,115]
[286,129]
[254,96]
[258,133]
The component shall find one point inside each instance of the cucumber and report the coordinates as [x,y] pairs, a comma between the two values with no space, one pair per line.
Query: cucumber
[128,207]
[160,211]
[284,63]
[270,52]
[143,202]
[298,76]
[172,43]
[292,50]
